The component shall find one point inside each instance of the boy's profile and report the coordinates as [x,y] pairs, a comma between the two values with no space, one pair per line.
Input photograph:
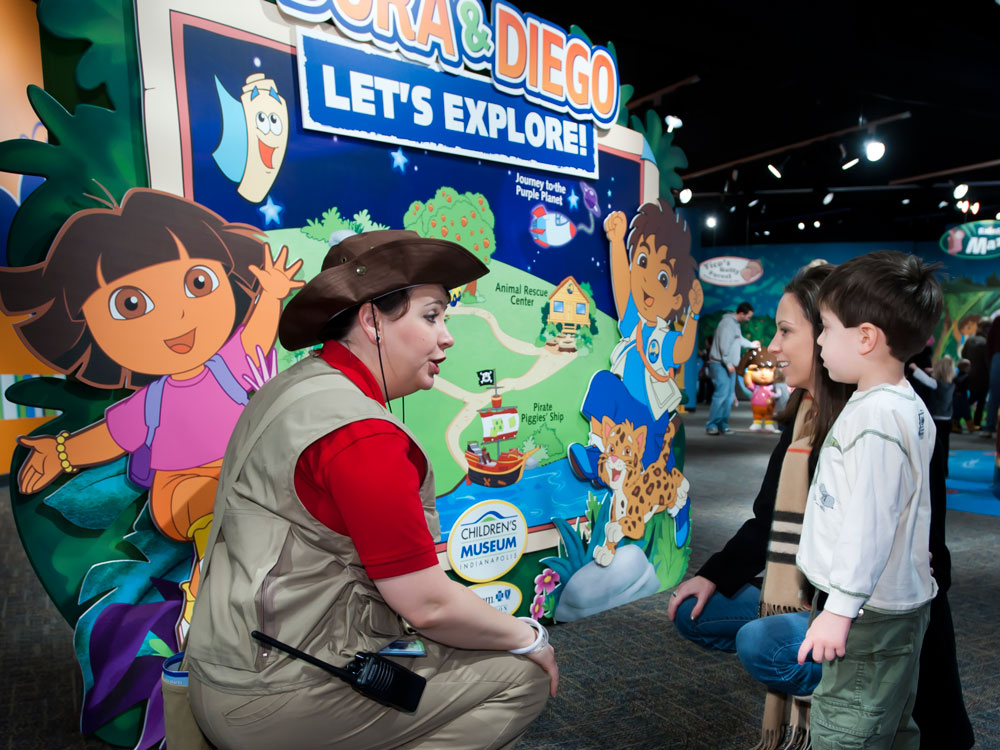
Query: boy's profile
[865,533]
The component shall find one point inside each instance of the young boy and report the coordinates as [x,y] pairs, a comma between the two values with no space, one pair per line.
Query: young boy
[864,542]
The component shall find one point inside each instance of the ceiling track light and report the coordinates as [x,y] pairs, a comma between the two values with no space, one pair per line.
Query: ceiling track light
[802,225]
[685,195]
[673,123]
[960,191]
[711,222]
[774,170]
[753,203]
[848,164]
[827,199]
[874,150]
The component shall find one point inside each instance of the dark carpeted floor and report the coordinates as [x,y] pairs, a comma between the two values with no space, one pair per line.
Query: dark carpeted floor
[628,680]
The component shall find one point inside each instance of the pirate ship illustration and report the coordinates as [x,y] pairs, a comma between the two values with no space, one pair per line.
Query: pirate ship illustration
[500,423]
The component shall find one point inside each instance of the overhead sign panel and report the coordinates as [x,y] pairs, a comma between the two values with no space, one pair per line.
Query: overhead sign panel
[358,91]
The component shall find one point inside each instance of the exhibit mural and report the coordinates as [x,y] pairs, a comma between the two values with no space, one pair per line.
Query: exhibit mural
[179,207]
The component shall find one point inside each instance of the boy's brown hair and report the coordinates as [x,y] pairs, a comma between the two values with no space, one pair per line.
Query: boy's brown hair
[895,291]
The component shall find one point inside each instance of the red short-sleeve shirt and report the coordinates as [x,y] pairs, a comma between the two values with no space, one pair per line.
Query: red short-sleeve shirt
[363,481]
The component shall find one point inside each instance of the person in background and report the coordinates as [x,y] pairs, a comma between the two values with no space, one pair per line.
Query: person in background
[723,357]
[960,411]
[325,525]
[938,397]
[993,398]
[979,372]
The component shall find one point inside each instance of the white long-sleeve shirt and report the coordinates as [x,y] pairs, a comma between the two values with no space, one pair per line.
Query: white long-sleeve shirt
[866,529]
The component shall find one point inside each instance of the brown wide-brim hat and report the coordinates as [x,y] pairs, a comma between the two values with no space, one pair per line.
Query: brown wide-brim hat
[370,265]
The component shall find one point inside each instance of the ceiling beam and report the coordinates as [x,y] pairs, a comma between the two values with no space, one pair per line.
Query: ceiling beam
[954,170]
[656,95]
[799,144]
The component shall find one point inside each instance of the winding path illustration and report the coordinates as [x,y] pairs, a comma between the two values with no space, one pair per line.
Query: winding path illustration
[547,363]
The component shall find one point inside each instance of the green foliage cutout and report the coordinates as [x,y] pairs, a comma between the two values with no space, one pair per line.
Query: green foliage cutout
[92,150]
[669,158]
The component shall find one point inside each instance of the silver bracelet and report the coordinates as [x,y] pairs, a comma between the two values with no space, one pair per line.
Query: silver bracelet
[539,643]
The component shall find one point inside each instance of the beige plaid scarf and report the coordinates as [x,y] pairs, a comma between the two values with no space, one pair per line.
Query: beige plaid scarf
[786,718]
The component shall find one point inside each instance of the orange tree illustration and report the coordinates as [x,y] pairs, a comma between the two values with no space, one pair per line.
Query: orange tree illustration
[464,218]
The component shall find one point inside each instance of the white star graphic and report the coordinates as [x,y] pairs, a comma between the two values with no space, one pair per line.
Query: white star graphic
[399,159]
[271,211]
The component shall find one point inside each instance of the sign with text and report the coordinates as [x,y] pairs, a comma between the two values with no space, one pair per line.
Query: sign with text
[974,240]
[730,270]
[360,92]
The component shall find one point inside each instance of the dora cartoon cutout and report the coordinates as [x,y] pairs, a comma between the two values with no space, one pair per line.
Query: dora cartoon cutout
[654,279]
[759,376]
[161,295]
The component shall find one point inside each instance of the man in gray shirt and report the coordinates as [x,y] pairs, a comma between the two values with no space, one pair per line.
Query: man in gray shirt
[723,356]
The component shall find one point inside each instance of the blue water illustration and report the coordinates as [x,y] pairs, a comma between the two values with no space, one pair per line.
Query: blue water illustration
[544,493]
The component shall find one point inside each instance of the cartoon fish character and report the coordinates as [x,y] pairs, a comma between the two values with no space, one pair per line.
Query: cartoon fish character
[551,229]
[254,136]
[590,199]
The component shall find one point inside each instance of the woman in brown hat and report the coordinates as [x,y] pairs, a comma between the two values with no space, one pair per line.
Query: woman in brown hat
[324,533]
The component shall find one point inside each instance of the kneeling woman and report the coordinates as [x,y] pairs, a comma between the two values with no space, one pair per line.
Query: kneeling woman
[325,525]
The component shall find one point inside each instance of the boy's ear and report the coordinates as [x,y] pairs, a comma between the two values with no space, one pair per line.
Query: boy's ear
[869,336]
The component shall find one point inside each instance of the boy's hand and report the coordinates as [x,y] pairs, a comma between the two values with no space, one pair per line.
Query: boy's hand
[826,637]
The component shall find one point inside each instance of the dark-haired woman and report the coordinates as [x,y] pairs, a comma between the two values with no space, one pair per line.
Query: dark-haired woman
[723,606]
[325,526]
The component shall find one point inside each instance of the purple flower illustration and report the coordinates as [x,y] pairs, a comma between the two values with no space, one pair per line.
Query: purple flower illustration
[546,582]
[538,607]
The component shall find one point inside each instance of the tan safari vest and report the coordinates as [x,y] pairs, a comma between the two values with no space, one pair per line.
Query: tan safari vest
[270,565]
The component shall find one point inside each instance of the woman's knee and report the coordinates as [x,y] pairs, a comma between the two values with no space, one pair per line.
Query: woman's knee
[687,627]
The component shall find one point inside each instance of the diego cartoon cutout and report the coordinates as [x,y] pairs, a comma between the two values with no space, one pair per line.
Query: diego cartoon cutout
[655,285]
[163,296]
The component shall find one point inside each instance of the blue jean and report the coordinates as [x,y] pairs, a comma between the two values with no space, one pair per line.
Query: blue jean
[993,400]
[768,647]
[722,399]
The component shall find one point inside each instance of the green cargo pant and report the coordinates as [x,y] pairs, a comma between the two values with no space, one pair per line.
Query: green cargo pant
[865,700]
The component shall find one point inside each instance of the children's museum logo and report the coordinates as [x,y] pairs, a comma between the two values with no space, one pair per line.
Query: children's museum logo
[487,540]
[546,91]
[505,597]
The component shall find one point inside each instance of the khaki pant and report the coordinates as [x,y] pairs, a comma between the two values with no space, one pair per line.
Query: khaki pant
[865,700]
[480,700]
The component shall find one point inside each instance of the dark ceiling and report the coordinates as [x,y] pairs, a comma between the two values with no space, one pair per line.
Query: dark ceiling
[748,78]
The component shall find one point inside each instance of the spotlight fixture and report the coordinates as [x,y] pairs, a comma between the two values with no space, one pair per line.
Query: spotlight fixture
[963,206]
[802,225]
[732,209]
[774,170]
[673,123]
[998,216]
[711,222]
[960,191]
[905,201]
[827,199]
[942,204]
[849,164]
[753,203]
[767,232]
[974,208]
[816,223]
[685,195]
[874,150]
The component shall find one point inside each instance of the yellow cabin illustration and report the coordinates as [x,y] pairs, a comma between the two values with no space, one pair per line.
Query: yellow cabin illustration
[569,305]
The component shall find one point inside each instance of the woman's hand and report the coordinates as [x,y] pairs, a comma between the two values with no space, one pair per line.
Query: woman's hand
[546,659]
[699,587]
